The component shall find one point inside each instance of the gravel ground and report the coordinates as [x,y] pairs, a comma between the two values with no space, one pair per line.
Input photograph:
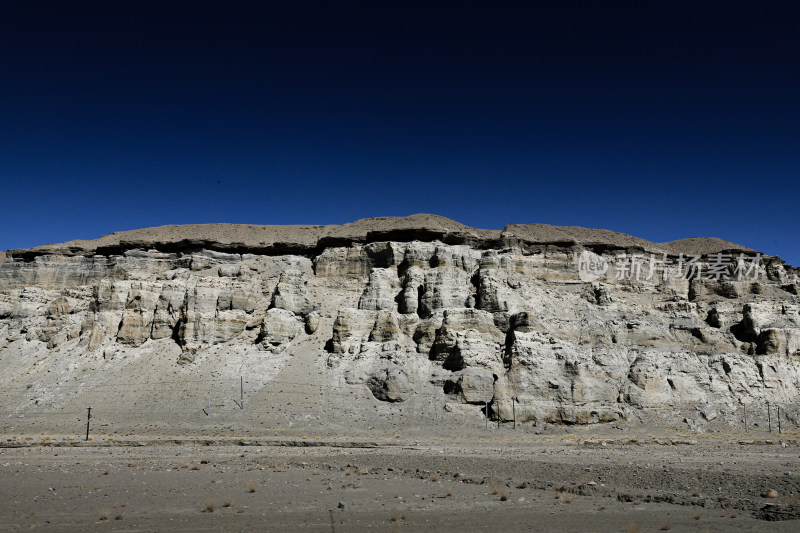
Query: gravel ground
[350,486]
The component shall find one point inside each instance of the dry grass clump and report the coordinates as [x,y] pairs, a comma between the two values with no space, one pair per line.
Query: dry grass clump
[632,527]
[227,502]
[565,497]
[252,486]
[363,472]
[435,478]
[449,493]
[665,526]
[209,505]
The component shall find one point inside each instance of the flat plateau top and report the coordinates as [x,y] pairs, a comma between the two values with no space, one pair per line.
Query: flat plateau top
[248,236]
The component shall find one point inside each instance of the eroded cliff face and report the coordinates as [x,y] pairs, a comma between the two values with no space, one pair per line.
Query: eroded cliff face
[431,307]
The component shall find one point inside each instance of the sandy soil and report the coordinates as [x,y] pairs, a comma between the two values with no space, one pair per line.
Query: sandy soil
[466,485]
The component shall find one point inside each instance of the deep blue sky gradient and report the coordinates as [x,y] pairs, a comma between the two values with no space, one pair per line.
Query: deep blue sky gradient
[660,119]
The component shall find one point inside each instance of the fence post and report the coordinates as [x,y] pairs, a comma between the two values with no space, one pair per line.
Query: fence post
[514,410]
[486,409]
[769,418]
[241,392]
[88,418]
[779,420]
[745,417]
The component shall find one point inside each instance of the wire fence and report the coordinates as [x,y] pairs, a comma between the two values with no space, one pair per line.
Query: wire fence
[244,405]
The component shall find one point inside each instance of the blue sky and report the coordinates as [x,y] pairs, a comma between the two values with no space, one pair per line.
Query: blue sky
[665,121]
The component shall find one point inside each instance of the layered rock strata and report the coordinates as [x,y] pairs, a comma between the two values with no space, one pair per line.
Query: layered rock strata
[540,323]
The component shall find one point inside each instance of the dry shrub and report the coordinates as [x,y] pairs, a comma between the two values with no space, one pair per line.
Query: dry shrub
[435,478]
[252,486]
[227,502]
[209,505]
[665,526]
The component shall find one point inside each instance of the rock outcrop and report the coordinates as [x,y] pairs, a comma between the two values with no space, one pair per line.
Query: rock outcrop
[542,323]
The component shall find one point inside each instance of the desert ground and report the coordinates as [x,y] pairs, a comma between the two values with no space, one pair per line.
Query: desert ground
[473,481]
[405,374]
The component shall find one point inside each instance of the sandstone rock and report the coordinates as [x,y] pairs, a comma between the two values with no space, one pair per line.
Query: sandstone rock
[445,287]
[290,294]
[381,290]
[709,412]
[477,386]
[413,286]
[350,329]
[468,337]
[278,329]
[312,322]
[385,328]
[390,384]
[782,341]
[136,322]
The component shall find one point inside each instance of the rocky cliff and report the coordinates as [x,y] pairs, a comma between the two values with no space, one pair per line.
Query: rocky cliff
[544,324]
